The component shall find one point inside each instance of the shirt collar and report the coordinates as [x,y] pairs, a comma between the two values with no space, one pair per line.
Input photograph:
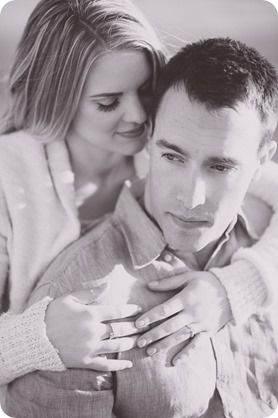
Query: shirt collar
[144,239]
[242,218]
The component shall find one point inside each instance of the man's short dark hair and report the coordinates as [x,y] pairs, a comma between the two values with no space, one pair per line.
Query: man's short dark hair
[220,73]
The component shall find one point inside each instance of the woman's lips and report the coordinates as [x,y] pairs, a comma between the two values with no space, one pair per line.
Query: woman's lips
[133,133]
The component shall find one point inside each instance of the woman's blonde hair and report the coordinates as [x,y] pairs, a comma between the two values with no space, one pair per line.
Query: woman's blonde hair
[61,41]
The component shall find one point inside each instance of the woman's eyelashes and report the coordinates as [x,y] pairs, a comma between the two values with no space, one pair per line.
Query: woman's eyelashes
[110,106]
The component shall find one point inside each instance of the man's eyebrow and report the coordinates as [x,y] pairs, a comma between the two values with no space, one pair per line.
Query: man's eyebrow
[223,160]
[103,95]
[162,143]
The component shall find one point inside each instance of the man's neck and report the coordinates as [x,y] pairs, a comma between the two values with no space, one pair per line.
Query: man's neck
[199,259]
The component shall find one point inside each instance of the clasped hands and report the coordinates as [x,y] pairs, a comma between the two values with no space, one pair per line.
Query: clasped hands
[200,306]
[81,331]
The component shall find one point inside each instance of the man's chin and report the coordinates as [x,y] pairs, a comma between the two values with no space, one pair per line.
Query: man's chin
[184,244]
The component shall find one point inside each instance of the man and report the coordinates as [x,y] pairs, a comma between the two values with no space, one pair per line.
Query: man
[215,111]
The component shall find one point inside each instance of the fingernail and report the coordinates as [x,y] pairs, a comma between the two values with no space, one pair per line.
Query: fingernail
[140,324]
[141,343]
[154,283]
[139,309]
[128,366]
[151,351]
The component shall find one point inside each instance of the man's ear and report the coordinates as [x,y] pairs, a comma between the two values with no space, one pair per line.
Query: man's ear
[265,154]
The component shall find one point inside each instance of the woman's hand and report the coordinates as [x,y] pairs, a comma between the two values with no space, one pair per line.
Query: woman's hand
[201,306]
[83,332]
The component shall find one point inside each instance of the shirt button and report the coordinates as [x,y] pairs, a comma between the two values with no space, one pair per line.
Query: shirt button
[168,258]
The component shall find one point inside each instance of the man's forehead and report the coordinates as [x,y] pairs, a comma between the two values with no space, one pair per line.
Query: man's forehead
[190,124]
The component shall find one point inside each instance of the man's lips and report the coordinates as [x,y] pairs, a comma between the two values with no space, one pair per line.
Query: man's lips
[189,222]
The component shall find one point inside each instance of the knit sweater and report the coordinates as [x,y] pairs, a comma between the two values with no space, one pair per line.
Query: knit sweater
[39,219]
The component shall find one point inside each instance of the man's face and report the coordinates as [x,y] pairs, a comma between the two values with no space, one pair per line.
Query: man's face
[201,165]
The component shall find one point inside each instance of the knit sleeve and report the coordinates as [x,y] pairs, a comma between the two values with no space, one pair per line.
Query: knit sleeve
[24,346]
[251,281]
[4,259]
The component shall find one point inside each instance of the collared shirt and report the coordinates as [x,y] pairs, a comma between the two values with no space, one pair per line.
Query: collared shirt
[229,375]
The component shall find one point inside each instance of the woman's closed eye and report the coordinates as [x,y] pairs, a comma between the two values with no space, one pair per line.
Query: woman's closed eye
[108,104]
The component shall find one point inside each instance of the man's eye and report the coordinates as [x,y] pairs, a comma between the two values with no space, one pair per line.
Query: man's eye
[172,157]
[222,168]
[103,107]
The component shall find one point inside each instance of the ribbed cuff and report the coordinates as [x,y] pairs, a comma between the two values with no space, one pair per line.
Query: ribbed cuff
[24,344]
[245,288]
[262,257]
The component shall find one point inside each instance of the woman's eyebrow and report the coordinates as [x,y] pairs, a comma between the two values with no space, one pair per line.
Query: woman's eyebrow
[97,96]
[104,95]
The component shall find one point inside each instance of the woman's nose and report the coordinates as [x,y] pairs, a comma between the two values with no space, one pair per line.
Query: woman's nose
[135,111]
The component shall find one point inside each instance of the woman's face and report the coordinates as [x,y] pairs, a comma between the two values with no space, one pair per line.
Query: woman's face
[112,110]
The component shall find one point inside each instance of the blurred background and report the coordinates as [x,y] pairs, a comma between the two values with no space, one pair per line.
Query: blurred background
[177,21]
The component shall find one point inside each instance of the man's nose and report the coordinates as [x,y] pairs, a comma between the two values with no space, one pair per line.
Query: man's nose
[134,111]
[193,193]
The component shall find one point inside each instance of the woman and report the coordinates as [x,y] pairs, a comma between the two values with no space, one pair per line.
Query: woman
[80,93]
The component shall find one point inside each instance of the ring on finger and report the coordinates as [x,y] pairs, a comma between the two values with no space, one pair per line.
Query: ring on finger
[189,331]
[111,331]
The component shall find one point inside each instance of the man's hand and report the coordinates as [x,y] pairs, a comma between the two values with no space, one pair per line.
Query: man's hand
[80,331]
[201,306]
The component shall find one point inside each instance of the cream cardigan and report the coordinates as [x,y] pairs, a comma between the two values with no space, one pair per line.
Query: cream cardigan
[38,219]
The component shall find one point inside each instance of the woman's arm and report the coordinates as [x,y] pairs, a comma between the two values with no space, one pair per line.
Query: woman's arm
[251,281]
[24,345]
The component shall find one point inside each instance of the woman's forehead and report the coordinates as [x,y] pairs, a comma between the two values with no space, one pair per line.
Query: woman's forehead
[118,71]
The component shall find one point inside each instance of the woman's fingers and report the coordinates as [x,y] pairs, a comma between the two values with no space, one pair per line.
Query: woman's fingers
[117,345]
[104,312]
[108,313]
[120,329]
[171,283]
[166,343]
[161,312]
[190,347]
[101,363]
[171,326]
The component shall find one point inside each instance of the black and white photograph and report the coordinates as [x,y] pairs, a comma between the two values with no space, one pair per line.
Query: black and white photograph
[139,209]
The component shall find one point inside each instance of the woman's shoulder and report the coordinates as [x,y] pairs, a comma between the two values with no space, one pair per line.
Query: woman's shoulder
[19,138]
[17,147]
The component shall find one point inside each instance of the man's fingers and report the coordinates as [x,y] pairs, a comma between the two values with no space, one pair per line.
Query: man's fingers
[108,365]
[117,345]
[166,309]
[168,327]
